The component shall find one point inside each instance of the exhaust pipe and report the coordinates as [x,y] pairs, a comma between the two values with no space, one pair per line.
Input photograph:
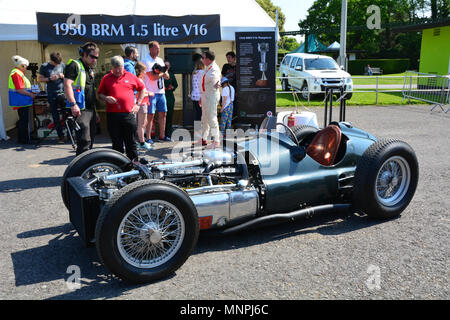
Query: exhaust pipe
[290,216]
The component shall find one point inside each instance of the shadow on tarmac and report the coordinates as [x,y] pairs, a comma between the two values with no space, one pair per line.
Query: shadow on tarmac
[51,262]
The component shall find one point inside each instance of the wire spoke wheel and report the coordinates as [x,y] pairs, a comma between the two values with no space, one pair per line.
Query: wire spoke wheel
[392,181]
[386,178]
[150,234]
[109,168]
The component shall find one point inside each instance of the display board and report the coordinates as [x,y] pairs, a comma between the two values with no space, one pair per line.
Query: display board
[255,59]
[67,28]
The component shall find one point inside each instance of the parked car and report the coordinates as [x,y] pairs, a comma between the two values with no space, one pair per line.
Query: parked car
[145,217]
[312,73]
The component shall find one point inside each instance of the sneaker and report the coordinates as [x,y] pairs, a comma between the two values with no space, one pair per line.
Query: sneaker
[166,138]
[149,141]
[145,146]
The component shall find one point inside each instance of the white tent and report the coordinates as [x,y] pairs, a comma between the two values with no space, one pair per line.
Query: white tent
[18,19]
[19,35]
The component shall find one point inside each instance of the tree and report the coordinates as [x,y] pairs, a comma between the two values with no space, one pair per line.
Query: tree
[440,9]
[289,44]
[271,10]
[324,20]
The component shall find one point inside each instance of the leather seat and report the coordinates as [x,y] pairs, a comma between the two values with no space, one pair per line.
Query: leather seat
[323,148]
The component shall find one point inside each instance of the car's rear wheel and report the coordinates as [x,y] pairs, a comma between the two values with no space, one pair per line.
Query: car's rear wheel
[90,162]
[386,178]
[146,231]
[284,84]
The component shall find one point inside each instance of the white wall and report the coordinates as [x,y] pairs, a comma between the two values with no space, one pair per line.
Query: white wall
[30,50]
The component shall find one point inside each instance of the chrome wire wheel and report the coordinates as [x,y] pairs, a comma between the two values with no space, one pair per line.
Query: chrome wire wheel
[392,181]
[100,167]
[150,234]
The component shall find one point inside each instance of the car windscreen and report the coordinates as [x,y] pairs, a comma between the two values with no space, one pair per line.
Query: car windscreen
[320,64]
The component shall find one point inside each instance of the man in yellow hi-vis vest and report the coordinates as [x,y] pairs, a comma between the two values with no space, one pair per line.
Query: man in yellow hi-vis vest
[21,98]
[80,94]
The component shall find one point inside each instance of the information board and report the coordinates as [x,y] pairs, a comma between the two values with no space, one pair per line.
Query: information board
[78,29]
[255,59]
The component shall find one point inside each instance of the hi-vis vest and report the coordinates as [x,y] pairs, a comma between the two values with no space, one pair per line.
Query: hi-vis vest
[78,85]
[16,99]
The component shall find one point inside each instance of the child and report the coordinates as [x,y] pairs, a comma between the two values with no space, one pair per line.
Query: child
[227,105]
[142,113]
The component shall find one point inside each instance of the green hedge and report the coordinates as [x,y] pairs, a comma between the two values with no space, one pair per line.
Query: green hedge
[358,67]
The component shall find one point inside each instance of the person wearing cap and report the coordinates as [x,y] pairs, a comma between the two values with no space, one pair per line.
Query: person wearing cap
[227,105]
[21,98]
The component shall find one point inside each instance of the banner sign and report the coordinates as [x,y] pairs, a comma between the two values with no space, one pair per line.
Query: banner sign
[255,59]
[78,29]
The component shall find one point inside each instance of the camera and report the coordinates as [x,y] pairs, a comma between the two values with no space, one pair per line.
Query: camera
[157,68]
[33,67]
[65,112]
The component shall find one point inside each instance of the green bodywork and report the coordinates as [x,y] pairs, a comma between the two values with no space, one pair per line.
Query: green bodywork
[291,184]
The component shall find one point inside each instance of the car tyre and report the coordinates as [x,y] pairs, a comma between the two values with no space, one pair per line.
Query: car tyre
[386,178]
[146,231]
[348,96]
[285,84]
[91,161]
[305,91]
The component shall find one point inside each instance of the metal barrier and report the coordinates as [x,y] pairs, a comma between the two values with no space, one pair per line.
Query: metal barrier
[431,88]
[428,88]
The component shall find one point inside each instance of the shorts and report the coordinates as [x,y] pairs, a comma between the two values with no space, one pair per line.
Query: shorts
[143,109]
[157,103]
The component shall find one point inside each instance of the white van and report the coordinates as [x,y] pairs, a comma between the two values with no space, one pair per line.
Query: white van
[312,73]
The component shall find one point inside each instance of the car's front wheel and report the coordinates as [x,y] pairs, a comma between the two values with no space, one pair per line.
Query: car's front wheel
[146,231]
[386,178]
[305,91]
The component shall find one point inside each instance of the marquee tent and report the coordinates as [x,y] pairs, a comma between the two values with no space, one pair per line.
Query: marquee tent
[18,19]
[314,45]
[19,32]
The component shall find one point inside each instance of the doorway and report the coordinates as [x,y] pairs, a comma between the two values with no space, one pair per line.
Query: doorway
[182,61]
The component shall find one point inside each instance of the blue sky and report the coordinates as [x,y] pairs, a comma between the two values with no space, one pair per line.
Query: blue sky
[294,10]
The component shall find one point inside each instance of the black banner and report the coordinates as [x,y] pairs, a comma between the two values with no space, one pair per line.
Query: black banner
[77,29]
[255,58]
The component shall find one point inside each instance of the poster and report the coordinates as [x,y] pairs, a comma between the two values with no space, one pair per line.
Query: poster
[78,29]
[256,74]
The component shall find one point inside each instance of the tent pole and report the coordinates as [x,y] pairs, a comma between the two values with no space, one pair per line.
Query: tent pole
[342,49]
[276,39]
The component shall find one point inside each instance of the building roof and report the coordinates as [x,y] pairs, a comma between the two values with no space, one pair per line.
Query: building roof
[18,20]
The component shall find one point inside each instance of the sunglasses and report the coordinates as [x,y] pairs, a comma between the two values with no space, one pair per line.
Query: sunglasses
[93,57]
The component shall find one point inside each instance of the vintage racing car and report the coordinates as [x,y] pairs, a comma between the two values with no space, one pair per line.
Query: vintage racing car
[145,216]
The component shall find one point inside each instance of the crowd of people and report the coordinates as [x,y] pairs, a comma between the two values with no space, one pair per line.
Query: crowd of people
[133,91]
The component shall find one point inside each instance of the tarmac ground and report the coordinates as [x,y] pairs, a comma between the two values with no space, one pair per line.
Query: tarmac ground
[334,256]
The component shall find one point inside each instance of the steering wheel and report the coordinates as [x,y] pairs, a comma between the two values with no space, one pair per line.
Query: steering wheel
[290,132]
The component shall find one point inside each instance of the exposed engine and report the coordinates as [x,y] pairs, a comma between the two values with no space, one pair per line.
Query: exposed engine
[218,182]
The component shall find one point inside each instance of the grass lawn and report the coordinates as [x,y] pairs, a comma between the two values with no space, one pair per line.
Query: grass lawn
[358,99]
[396,78]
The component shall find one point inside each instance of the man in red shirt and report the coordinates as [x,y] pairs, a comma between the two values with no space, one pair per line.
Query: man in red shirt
[117,90]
